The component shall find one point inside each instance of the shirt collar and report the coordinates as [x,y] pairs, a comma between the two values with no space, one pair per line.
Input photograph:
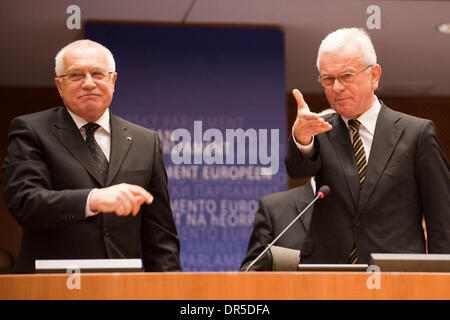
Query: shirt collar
[103,121]
[369,118]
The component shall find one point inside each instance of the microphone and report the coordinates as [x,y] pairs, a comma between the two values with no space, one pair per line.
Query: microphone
[323,192]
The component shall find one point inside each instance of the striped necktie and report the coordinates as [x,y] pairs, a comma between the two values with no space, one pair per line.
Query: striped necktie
[97,153]
[358,151]
[361,164]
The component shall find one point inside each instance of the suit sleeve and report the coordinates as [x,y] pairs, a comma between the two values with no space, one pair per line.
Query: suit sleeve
[261,236]
[160,243]
[27,186]
[434,184]
[298,166]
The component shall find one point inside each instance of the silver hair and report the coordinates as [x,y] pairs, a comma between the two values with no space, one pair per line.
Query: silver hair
[59,65]
[345,36]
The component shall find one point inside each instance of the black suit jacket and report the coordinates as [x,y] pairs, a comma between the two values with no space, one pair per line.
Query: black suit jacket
[407,177]
[48,174]
[275,212]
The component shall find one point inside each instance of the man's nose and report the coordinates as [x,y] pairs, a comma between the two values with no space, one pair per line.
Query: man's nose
[88,82]
[337,85]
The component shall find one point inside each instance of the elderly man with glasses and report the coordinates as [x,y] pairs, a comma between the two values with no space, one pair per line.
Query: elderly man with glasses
[83,183]
[386,169]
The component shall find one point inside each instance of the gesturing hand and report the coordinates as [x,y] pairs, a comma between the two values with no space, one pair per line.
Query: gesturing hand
[121,199]
[307,124]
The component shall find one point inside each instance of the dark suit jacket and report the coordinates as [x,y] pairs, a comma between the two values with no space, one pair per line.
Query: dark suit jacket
[48,174]
[407,177]
[275,212]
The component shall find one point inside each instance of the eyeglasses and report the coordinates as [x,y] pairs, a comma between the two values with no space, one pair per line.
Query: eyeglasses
[345,78]
[76,75]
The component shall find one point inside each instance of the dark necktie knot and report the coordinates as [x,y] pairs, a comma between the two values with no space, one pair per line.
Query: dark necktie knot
[354,124]
[90,128]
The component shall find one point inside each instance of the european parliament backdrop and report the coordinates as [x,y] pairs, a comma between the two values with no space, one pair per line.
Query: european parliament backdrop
[216,96]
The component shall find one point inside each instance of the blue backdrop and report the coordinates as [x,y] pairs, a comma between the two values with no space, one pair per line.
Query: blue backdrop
[228,78]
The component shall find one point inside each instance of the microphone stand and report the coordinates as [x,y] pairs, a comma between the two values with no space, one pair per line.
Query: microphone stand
[320,195]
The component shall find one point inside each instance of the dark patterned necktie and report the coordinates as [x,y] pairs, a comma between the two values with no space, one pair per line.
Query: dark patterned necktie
[96,151]
[358,151]
[361,164]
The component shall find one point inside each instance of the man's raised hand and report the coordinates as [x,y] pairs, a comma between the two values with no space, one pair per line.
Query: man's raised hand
[307,124]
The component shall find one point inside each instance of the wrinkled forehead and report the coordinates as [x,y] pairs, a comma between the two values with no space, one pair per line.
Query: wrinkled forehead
[85,57]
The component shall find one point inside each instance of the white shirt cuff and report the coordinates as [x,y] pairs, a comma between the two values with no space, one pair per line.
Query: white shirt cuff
[88,212]
[308,150]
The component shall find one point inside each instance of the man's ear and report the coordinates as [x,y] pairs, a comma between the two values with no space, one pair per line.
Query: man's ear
[375,71]
[58,84]
[114,78]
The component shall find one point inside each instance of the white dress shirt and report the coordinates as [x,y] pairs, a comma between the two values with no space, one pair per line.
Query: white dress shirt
[103,138]
[102,135]
[368,122]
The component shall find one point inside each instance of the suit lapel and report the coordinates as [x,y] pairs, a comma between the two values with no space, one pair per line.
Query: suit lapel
[386,137]
[69,135]
[121,141]
[340,139]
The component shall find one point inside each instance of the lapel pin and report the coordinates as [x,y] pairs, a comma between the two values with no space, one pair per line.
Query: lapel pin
[129,138]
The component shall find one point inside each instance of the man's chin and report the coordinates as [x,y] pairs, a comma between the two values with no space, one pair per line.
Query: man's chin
[344,109]
[91,112]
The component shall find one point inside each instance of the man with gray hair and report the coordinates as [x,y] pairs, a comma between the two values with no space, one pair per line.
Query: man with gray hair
[386,169]
[83,183]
